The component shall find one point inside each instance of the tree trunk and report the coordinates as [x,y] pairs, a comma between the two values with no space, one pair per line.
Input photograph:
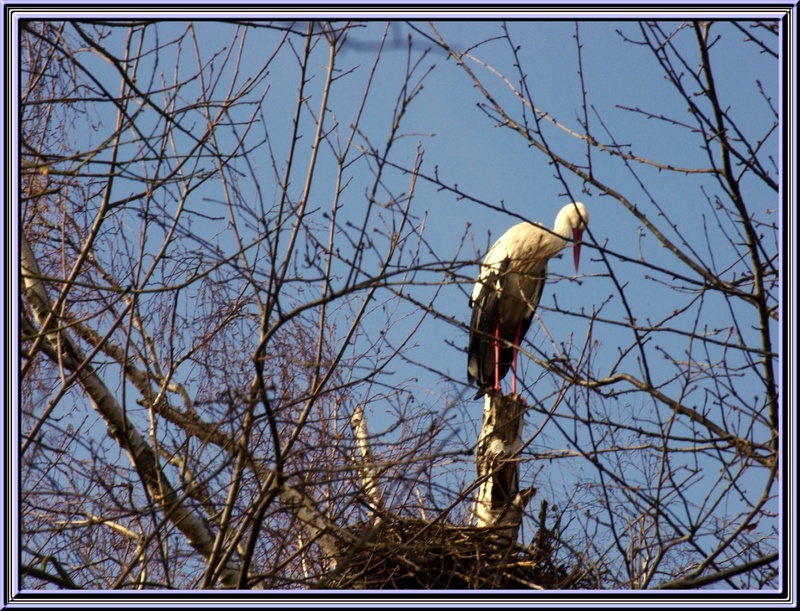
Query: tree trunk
[499,502]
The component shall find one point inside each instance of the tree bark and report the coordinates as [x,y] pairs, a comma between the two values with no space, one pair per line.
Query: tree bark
[499,502]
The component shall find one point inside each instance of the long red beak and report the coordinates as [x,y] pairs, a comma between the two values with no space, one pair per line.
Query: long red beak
[577,234]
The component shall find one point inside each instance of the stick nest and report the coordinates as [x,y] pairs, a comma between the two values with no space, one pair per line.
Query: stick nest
[412,554]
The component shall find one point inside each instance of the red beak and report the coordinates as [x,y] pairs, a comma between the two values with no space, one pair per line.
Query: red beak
[577,234]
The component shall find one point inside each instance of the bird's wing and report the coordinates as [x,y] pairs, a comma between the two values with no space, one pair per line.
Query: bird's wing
[531,284]
[485,301]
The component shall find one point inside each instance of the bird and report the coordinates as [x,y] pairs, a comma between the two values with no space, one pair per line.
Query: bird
[508,290]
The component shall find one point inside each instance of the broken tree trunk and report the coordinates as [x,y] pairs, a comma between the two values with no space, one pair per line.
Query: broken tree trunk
[367,471]
[499,503]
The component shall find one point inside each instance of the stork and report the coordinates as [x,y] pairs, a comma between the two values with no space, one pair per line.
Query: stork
[508,290]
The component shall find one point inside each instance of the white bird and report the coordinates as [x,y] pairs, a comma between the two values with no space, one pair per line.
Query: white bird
[508,290]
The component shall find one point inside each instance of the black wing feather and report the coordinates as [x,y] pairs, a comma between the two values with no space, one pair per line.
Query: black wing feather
[483,326]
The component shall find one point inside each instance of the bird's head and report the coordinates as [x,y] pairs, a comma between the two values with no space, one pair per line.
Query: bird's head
[574,218]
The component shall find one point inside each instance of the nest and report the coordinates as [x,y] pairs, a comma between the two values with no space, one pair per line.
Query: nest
[406,554]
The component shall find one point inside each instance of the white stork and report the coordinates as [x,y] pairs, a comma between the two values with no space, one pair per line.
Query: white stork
[508,290]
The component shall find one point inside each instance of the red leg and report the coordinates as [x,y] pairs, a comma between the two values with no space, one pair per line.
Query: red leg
[517,340]
[497,356]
